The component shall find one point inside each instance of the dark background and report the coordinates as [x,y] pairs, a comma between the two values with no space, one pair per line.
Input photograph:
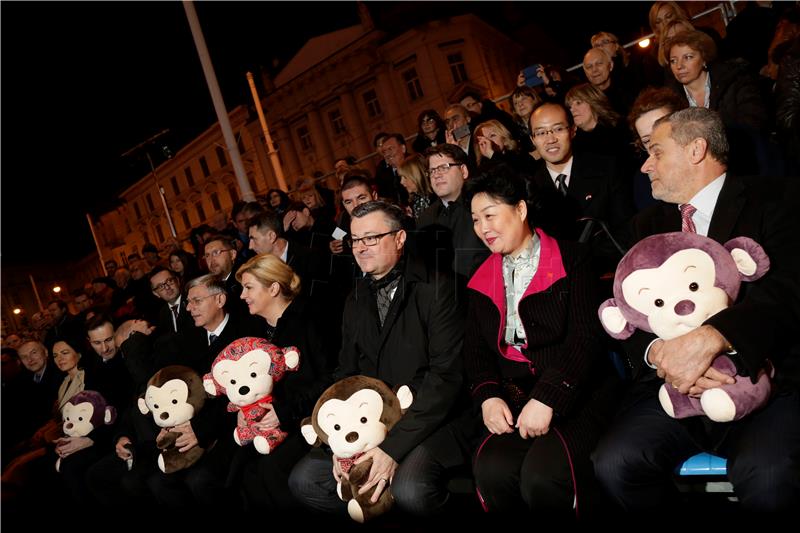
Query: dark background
[83,82]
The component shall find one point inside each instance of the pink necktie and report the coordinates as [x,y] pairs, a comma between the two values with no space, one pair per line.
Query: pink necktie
[687,224]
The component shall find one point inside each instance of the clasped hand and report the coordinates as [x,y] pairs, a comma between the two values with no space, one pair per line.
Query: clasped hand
[533,421]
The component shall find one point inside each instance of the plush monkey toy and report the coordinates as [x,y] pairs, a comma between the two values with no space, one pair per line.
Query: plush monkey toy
[246,371]
[353,416]
[670,284]
[174,395]
[83,413]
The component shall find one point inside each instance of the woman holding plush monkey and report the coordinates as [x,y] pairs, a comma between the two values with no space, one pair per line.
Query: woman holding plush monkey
[533,356]
[271,290]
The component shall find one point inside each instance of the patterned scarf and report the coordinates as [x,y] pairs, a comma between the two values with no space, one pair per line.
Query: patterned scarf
[346,463]
[384,288]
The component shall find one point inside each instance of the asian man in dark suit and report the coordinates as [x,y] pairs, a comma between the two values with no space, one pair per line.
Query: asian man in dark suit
[634,461]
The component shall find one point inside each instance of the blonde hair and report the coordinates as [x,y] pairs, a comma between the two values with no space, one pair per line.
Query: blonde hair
[663,45]
[656,7]
[497,127]
[597,100]
[413,169]
[268,269]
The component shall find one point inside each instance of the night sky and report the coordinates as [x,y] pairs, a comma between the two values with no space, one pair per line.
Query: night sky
[84,82]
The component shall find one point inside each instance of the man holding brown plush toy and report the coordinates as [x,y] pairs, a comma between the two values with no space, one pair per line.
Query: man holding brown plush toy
[687,169]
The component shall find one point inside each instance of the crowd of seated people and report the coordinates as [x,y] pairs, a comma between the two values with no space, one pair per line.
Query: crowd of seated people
[468,265]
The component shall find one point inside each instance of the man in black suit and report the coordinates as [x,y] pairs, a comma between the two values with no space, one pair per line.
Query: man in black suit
[172,315]
[687,169]
[402,325]
[574,185]
[223,260]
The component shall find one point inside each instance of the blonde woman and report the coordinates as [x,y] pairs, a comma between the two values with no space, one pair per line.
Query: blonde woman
[271,290]
[494,143]
[414,177]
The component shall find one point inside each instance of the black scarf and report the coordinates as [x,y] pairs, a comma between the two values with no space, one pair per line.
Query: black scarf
[382,289]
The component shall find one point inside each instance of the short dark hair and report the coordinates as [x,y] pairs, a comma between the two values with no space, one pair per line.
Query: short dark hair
[397,137]
[392,213]
[379,136]
[159,269]
[97,321]
[149,247]
[268,221]
[61,303]
[504,183]
[354,181]
[473,93]
[227,240]
[454,152]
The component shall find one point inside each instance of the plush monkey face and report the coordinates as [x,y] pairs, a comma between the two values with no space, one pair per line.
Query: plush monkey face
[354,424]
[355,414]
[246,379]
[677,296]
[168,403]
[670,283]
[78,419]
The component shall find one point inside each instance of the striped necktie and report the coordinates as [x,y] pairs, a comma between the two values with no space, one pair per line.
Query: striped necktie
[687,224]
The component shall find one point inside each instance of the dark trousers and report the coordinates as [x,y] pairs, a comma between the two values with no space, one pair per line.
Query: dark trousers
[419,486]
[636,459]
[265,477]
[514,475]
[111,484]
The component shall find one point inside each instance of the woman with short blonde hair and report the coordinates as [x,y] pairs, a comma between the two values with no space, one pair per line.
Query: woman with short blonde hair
[414,177]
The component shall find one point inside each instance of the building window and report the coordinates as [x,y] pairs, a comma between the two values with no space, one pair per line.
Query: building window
[159,233]
[215,202]
[233,193]
[413,85]
[305,138]
[189,178]
[204,166]
[127,226]
[201,213]
[223,161]
[240,143]
[457,68]
[185,218]
[175,188]
[337,122]
[150,204]
[137,210]
[251,181]
[372,103]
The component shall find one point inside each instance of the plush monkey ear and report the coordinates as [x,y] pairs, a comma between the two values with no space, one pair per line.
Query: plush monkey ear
[405,396]
[210,386]
[750,258]
[143,406]
[111,415]
[307,429]
[613,322]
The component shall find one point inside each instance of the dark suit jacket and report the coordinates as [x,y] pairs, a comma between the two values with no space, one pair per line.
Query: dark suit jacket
[763,323]
[312,266]
[419,345]
[164,322]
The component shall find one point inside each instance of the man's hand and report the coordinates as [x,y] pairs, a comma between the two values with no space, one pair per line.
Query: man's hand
[712,379]
[187,440]
[497,416]
[336,246]
[534,420]
[381,473]
[683,360]
[123,452]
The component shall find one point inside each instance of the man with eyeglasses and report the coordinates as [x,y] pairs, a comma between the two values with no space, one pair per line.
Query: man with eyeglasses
[445,228]
[172,315]
[401,324]
[575,185]
[222,261]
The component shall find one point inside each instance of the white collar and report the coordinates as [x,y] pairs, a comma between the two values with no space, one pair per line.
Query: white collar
[706,198]
[219,329]
[567,170]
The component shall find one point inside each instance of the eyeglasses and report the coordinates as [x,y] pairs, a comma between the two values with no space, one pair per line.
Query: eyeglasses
[441,169]
[198,300]
[369,240]
[555,130]
[216,253]
[168,283]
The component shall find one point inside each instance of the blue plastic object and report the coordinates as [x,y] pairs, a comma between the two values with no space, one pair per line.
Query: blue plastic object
[704,464]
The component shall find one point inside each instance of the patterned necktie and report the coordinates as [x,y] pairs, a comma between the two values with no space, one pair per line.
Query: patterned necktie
[174,309]
[687,224]
[561,184]
[211,339]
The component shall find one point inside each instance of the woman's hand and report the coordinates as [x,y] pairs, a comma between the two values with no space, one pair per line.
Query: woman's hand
[521,79]
[497,416]
[485,146]
[66,446]
[543,75]
[534,420]
[121,448]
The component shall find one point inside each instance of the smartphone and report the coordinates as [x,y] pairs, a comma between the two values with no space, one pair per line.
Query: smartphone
[531,78]
[461,132]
